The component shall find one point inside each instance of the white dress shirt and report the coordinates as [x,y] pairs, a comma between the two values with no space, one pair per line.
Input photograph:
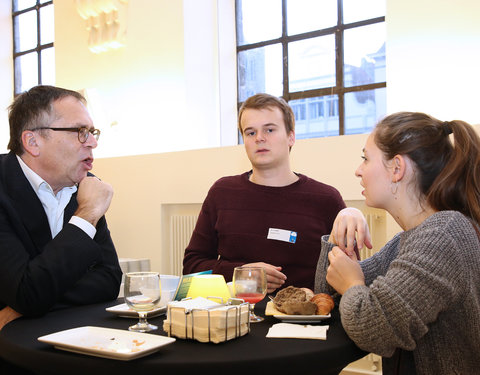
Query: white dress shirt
[54,205]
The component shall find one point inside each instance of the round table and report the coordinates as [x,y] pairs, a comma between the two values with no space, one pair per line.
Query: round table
[252,353]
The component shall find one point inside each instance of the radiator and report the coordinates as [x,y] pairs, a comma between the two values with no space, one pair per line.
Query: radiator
[373,220]
[181,229]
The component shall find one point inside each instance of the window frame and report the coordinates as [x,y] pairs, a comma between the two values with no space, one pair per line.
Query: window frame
[338,31]
[16,40]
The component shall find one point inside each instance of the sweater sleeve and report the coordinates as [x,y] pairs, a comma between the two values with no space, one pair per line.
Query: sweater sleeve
[394,311]
[371,267]
[201,253]
[321,285]
[379,262]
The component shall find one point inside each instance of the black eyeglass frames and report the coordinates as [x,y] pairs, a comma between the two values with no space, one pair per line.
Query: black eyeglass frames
[83,132]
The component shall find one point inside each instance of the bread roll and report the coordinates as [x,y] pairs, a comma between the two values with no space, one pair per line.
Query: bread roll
[302,301]
[299,308]
[308,293]
[289,295]
[324,303]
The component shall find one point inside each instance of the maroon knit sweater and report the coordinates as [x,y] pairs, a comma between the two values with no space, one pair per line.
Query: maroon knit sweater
[234,222]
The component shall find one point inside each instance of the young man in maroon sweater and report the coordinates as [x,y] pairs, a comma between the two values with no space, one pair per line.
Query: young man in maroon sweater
[270,216]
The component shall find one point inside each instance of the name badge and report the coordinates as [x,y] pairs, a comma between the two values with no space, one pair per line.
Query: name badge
[282,235]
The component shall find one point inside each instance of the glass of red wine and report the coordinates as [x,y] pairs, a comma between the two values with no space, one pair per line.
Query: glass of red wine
[250,284]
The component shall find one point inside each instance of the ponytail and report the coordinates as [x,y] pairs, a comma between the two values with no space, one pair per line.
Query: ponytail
[457,187]
[447,167]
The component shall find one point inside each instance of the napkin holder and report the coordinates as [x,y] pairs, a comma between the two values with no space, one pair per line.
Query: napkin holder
[217,323]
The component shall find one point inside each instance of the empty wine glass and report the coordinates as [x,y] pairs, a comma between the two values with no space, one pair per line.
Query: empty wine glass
[142,294]
[250,284]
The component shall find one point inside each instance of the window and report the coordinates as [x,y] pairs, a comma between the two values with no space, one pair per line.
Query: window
[33,51]
[326,58]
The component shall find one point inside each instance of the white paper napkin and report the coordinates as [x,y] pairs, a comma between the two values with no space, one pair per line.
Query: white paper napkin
[195,303]
[297,331]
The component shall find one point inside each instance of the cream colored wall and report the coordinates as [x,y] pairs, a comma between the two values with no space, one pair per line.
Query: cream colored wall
[172,62]
[137,90]
[433,50]
[143,183]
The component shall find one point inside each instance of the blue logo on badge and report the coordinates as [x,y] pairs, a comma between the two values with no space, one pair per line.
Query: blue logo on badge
[293,237]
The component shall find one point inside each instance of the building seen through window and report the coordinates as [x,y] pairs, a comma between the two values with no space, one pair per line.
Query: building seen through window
[326,58]
[33,36]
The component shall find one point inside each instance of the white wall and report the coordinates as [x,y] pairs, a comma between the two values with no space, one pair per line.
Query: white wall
[162,92]
[210,72]
[139,90]
[433,54]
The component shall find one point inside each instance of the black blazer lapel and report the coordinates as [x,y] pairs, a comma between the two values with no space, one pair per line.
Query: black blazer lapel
[26,203]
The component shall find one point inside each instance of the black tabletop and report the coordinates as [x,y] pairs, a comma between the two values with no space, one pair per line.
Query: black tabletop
[252,353]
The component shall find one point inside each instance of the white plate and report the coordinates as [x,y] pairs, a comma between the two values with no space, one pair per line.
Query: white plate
[106,342]
[270,309]
[302,318]
[126,312]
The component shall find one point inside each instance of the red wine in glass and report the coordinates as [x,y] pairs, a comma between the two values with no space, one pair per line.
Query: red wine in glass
[250,284]
[251,297]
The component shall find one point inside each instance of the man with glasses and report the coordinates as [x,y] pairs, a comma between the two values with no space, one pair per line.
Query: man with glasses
[55,246]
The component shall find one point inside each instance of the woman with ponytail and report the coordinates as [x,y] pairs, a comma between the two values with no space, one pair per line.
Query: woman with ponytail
[417,301]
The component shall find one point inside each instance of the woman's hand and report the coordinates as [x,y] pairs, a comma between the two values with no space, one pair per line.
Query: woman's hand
[344,271]
[348,225]
[275,278]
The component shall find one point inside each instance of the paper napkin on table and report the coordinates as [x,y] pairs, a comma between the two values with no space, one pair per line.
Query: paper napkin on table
[195,303]
[297,331]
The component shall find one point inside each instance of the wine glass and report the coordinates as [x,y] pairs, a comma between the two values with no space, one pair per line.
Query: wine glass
[250,284]
[142,294]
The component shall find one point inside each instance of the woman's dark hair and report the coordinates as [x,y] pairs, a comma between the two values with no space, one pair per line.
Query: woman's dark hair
[34,109]
[447,168]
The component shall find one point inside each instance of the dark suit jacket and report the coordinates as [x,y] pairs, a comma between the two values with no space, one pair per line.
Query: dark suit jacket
[38,272]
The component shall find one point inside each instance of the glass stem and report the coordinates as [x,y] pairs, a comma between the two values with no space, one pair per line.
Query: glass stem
[142,318]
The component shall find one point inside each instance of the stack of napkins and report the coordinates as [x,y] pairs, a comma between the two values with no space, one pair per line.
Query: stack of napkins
[205,320]
[297,331]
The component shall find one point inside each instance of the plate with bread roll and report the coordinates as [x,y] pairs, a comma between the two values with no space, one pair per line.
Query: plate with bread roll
[300,305]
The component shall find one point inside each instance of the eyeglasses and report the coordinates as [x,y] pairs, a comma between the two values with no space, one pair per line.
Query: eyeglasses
[83,132]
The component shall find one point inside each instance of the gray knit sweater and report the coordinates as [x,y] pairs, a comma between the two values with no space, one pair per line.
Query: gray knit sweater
[422,298]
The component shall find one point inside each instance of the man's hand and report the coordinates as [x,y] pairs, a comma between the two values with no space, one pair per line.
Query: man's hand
[275,278]
[7,314]
[93,197]
[348,224]
[344,271]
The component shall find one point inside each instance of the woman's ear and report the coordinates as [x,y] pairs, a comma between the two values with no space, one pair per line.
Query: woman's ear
[29,142]
[399,165]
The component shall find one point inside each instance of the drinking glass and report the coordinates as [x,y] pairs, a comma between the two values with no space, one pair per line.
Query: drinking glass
[250,284]
[142,294]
